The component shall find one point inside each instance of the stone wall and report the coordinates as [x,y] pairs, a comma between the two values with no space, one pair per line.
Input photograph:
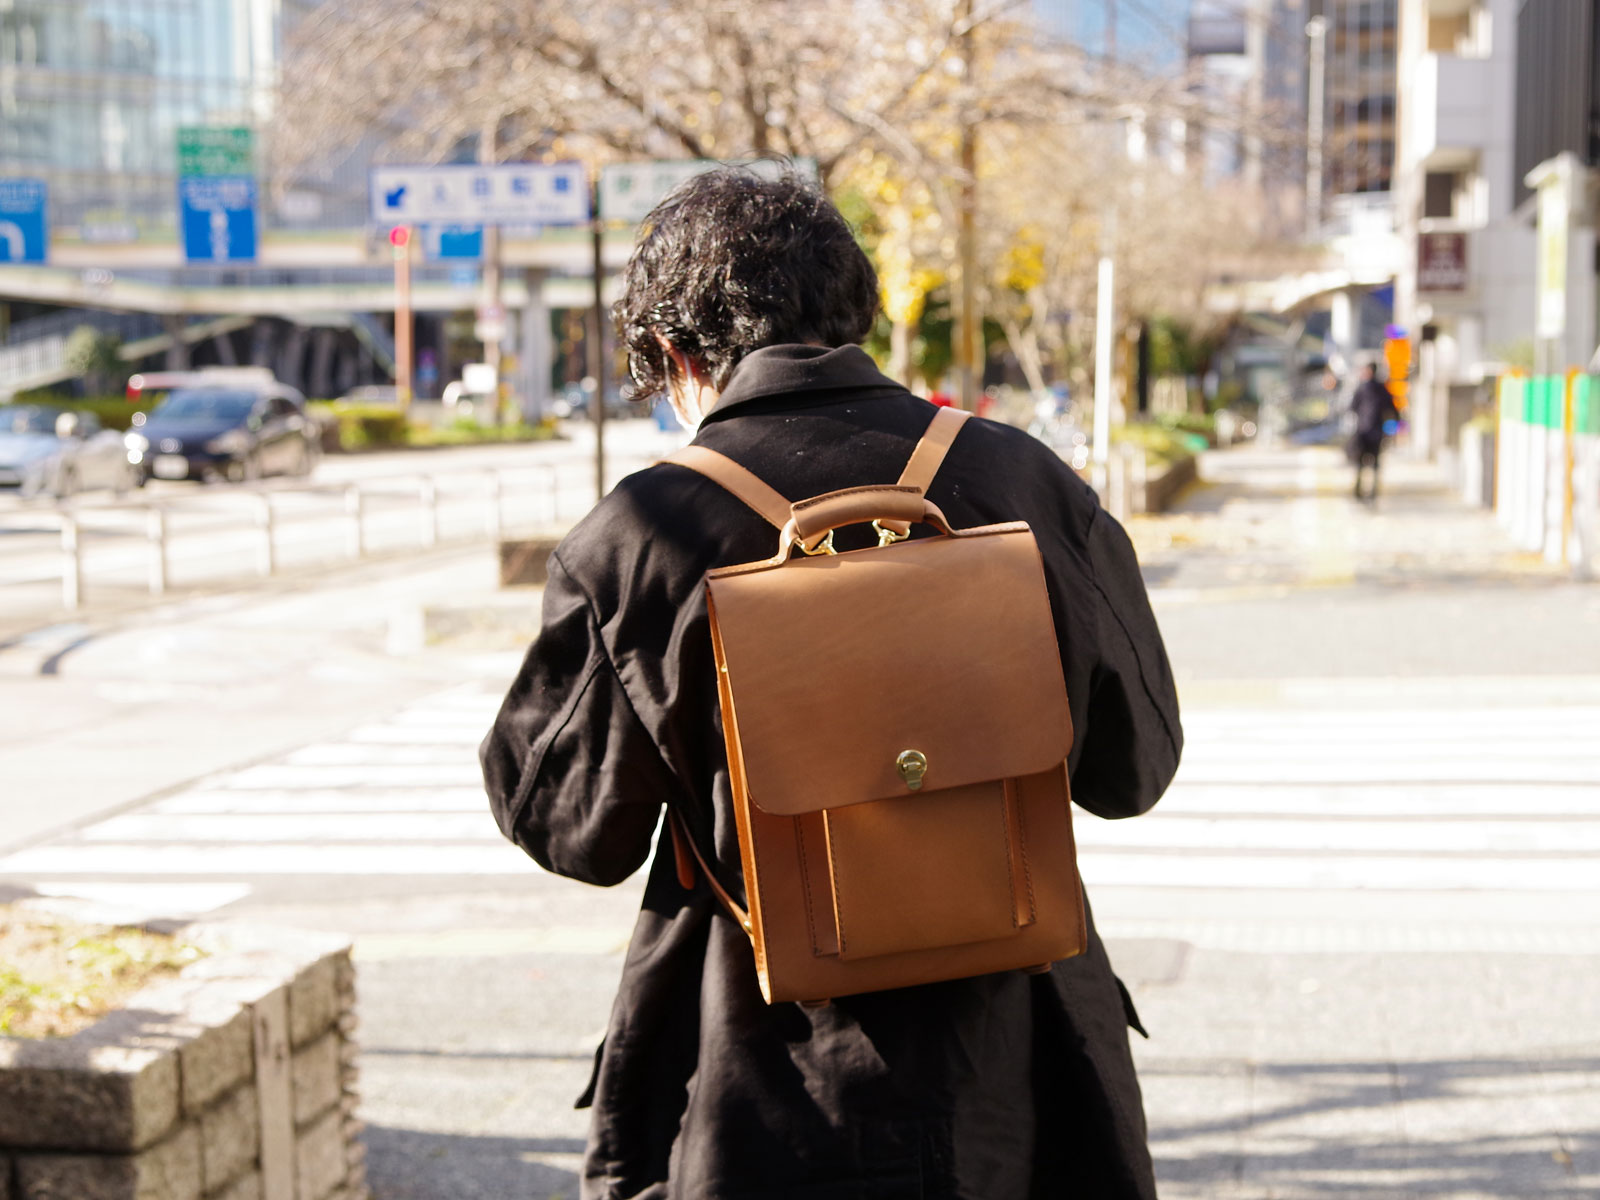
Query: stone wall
[235,1080]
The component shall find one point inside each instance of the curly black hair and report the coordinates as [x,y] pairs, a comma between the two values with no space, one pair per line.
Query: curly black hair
[730,262]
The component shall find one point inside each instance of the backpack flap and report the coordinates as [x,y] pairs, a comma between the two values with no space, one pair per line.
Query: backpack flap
[911,668]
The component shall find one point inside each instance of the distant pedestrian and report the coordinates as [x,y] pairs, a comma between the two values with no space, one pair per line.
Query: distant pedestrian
[1374,410]
[745,304]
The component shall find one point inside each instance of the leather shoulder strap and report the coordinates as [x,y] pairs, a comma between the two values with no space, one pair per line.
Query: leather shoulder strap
[682,848]
[929,454]
[924,464]
[747,486]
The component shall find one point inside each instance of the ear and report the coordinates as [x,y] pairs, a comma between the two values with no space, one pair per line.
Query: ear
[683,366]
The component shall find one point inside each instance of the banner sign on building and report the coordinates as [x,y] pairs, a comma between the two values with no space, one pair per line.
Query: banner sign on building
[1442,262]
[217,194]
[628,191]
[511,193]
[24,223]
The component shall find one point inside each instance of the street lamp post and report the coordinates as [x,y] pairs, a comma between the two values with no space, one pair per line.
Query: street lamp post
[1317,31]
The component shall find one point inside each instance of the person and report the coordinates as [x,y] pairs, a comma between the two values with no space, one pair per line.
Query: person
[1374,409]
[744,302]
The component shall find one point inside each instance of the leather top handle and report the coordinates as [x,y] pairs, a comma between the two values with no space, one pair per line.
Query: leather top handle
[854,506]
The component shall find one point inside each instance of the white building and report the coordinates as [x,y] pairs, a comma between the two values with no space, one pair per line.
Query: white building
[1465,289]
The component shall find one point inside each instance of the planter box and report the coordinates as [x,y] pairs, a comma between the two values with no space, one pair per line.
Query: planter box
[525,562]
[1161,490]
[236,1080]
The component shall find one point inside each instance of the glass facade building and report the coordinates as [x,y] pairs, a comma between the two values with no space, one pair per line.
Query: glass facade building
[93,92]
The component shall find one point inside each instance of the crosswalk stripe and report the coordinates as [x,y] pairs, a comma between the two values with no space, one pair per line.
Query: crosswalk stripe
[1338,872]
[290,827]
[389,775]
[113,861]
[1383,801]
[1181,832]
[326,800]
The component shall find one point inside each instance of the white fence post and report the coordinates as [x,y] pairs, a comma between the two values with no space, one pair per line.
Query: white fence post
[267,560]
[71,563]
[555,494]
[156,532]
[353,505]
[430,512]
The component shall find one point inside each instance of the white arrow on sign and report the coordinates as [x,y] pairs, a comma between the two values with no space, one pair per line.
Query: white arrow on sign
[16,243]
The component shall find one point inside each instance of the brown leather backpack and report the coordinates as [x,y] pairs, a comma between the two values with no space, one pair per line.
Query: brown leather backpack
[897,731]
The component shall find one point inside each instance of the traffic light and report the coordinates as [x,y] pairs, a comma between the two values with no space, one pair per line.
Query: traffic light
[400,239]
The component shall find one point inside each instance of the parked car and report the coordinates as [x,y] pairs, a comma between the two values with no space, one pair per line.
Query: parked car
[46,451]
[226,431]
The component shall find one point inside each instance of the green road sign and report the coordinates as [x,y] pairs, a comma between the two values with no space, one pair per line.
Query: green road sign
[208,150]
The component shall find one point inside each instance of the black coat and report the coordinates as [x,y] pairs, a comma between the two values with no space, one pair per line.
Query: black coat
[1373,406]
[996,1088]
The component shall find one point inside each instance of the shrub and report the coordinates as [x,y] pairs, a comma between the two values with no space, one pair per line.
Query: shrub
[1160,445]
[114,411]
[360,426]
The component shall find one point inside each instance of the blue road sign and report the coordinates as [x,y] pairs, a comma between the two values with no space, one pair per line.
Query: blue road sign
[446,243]
[24,227]
[218,217]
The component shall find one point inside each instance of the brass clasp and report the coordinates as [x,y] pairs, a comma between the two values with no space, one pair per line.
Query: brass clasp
[825,546]
[888,537]
[912,765]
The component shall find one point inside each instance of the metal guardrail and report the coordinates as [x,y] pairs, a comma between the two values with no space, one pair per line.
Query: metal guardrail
[258,532]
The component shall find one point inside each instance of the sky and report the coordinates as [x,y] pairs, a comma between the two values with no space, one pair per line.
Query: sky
[1148,31]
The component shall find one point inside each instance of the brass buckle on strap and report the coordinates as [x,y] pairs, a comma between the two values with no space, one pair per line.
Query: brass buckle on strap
[888,537]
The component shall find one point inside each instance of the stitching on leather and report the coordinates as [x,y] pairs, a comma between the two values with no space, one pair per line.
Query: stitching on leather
[805,884]
[843,493]
[1027,869]
[1007,786]
[838,900]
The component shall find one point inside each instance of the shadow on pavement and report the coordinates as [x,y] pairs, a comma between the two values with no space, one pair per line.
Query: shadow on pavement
[1285,1150]
[403,1164]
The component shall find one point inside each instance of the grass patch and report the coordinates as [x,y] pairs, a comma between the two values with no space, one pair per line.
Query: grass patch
[58,977]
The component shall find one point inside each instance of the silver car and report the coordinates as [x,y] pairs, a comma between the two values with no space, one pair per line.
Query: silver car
[44,451]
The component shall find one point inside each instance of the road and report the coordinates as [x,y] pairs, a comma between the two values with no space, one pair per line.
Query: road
[1362,926]
[220,533]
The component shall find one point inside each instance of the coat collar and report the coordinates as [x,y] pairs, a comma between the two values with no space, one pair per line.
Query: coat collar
[788,369]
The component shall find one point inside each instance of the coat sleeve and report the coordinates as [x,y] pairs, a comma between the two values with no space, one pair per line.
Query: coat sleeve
[1132,739]
[572,776]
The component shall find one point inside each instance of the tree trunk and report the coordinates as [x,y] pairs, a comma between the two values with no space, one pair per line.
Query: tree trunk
[900,352]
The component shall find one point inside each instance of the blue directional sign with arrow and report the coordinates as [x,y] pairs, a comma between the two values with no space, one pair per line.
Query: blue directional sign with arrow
[218,218]
[24,226]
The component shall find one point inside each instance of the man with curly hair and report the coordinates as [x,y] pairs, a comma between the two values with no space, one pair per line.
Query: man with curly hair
[745,303]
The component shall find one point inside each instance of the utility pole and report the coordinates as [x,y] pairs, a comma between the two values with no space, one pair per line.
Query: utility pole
[966,347]
[491,316]
[597,335]
[1317,31]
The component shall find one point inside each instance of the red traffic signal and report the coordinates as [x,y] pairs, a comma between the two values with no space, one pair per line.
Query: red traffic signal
[400,236]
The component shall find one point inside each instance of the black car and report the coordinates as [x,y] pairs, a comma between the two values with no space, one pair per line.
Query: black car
[226,431]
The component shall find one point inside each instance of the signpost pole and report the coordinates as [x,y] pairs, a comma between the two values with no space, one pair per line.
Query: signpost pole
[494,322]
[400,237]
[597,356]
